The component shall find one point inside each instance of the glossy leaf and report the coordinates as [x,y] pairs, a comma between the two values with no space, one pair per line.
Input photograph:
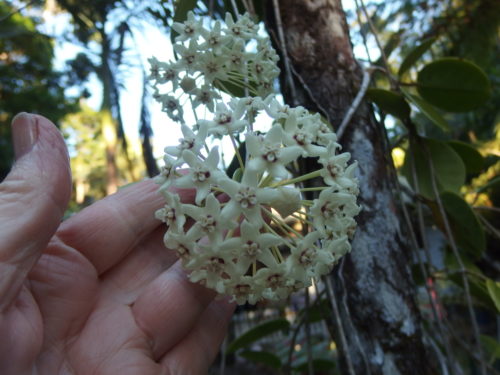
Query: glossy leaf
[494,291]
[453,84]
[448,167]
[466,228]
[415,54]
[472,159]
[265,358]
[427,110]
[390,102]
[257,333]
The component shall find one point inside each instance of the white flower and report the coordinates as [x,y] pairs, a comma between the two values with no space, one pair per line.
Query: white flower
[207,220]
[209,265]
[226,121]
[243,289]
[301,136]
[246,198]
[333,210]
[252,246]
[269,154]
[172,213]
[206,96]
[214,39]
[189,29]
[189,56]
[212,67]
[202,175]
[191,141]
[167,173]
[307,260]
[275,280]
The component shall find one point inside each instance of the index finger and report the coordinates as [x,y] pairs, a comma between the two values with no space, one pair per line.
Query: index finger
[108,230]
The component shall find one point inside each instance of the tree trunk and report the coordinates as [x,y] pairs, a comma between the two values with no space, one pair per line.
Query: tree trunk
[373,285]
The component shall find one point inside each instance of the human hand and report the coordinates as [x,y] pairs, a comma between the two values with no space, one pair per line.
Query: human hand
[98,293]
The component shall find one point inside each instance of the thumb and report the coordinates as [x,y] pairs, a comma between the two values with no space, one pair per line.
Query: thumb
[33,198]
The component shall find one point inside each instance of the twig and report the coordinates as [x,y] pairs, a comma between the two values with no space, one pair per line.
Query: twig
[310,366]
[490,227]
[8,15]
[454,249]
[338,323]
[340,274]
[355,104]
[286,61]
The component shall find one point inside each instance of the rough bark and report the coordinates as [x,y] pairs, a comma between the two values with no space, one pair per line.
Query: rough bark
[375,292]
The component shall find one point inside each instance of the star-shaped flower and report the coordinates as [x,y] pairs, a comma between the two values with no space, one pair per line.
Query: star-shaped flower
[269,154]
[252,246]
[246,198]
[202,175]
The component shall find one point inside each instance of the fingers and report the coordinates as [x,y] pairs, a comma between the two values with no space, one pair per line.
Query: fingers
[125,282]
[196,352]
[169,307]
[33,198]
[108,230]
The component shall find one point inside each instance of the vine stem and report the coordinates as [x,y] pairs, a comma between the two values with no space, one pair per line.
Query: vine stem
[355,103]
[281,37]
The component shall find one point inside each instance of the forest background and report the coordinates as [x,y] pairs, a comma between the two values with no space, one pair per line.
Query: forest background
[419,109]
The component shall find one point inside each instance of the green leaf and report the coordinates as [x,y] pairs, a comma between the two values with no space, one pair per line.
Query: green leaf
[258,332]
[265,358]
[472,159]
[319,364]
[230,88]
[427,110]
[448,167]
[492,348]
[494,291]
[390,102]
[453,84]
[415,54]
[467,230]
[477,286]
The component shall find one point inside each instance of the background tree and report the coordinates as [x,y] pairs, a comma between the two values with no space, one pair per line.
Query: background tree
[27,77]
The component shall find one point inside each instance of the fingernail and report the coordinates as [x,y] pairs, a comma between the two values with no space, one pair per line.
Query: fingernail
[24,133]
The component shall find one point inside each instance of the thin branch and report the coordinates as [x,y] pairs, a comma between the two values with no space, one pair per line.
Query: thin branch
[8,15]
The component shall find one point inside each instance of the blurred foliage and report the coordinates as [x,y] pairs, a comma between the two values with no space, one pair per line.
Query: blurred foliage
[28,81]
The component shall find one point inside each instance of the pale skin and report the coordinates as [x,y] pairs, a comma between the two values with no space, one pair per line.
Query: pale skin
[98,293]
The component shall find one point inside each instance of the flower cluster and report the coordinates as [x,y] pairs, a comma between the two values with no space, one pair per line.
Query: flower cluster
[251,235]
[231,57]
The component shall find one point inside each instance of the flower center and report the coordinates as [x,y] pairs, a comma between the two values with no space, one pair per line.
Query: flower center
[246,197]
[207,223]
[251,249]
[271,153]
[223,118]
[215,265]
[183,252]
[275,281]
[307,257]
[200,174]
